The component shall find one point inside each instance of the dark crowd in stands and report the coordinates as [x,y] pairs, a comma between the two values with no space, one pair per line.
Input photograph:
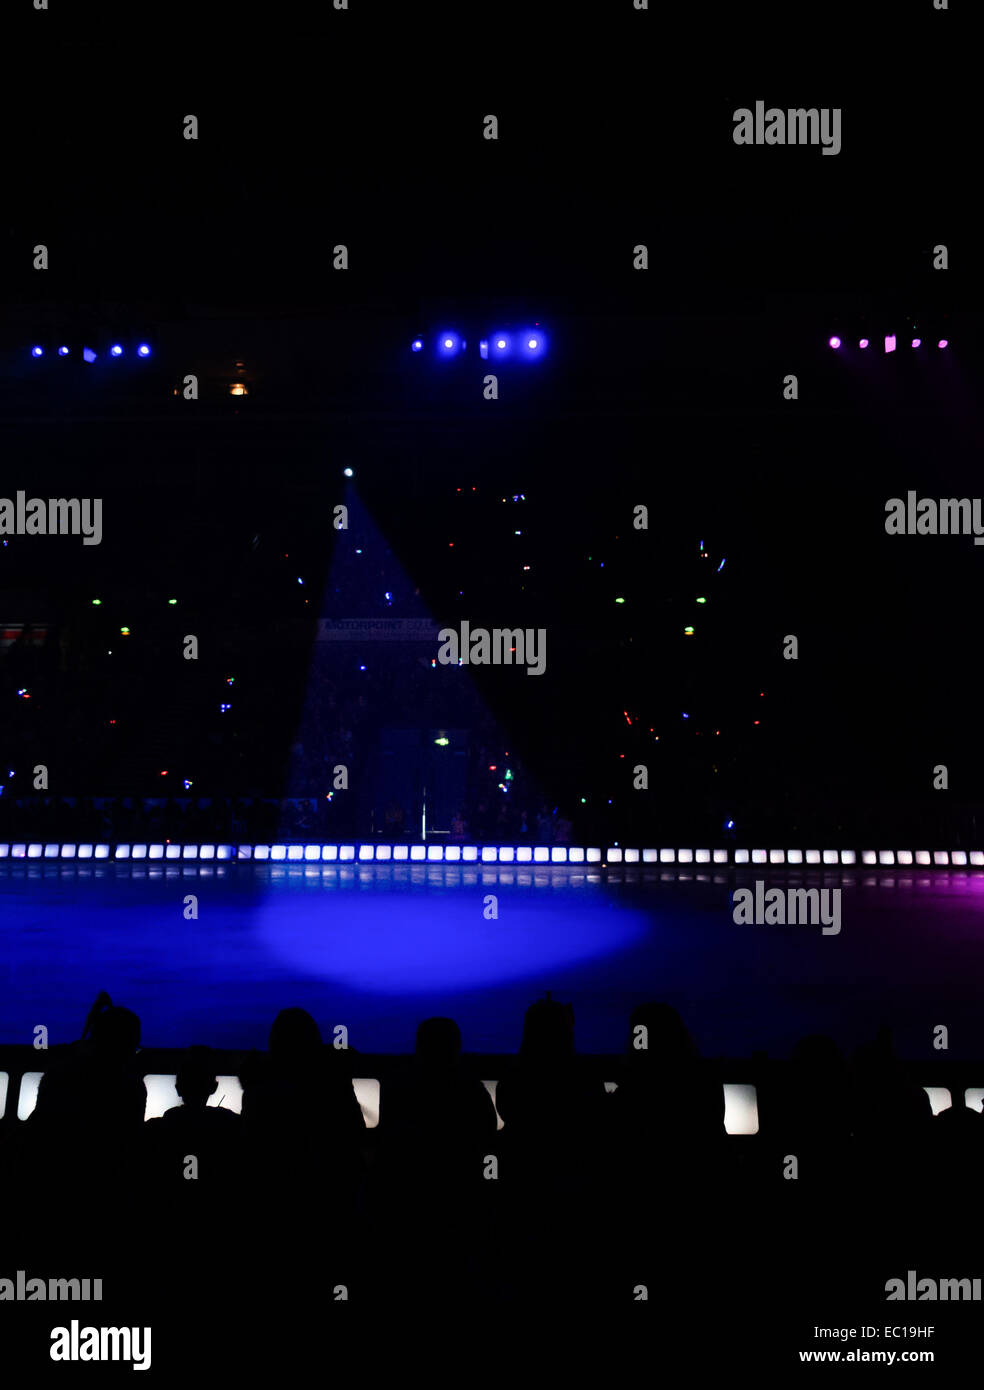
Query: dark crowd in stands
[582,1194]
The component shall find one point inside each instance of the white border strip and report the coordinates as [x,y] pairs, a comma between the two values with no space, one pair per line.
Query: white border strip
[496,854]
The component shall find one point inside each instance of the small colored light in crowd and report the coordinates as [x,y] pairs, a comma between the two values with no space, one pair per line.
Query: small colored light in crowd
[172,602]
[442,742]
[620,600]
[223,708]
[509,776]
[627,719]
[584,801]
[362,668]
[720,566]
[125,631]
[686,716]
[163,772]
[300,580]
[230,679]
[188,784]
[23,693]
[238,388]
[97,602]
[112,721]
[349,473]
[688,632]
[729,825]
[756,721]
[702,600]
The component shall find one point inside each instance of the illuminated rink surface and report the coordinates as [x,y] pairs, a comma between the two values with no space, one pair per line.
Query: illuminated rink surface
[377,947]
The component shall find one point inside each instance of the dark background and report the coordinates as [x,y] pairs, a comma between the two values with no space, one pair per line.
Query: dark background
[664,388]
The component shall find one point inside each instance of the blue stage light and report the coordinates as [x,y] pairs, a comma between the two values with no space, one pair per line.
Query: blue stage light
[37,351]
[143,350]
[500,345]
[88,355]
[449,344]
[533,343]
[63,352]
[416,345]
[116,350]
[347,472]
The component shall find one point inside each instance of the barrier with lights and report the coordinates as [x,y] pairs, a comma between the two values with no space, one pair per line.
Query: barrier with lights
[890,342]
[142,351]
[362,853]
[522,345]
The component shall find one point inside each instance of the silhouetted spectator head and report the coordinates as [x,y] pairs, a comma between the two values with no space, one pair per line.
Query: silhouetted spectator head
[196,1079]
[115,1032]
[665,1039]
[818,1053]
[548,1032]
[438,1042]
[294,1034]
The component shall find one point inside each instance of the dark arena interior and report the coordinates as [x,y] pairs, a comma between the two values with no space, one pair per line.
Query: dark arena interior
[491,818]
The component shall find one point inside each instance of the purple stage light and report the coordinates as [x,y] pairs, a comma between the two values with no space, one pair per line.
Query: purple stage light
[889,342]
[942,343]
[834,342]
[863,343]
[917,342]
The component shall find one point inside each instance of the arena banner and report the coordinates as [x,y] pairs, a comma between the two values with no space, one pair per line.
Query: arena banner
[377,630]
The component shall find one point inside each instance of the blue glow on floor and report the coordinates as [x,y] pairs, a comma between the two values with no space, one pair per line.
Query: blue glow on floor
[377,948]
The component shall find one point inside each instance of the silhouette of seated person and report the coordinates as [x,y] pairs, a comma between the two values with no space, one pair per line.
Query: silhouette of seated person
[436,1122]
[888,1110]
[210,1133]
[669,1106]
[304,1125]
[551,1109]
[84,1132]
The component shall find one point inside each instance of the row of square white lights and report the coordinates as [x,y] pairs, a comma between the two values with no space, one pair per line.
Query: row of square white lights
[492,854]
